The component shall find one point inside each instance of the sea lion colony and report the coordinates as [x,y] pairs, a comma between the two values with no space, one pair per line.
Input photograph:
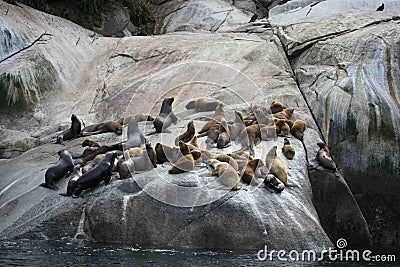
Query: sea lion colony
[136,155]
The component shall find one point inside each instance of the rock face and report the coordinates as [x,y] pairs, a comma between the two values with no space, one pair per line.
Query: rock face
[346,66]
[213,52]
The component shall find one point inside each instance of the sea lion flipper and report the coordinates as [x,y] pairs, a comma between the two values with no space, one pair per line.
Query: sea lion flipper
[151,133]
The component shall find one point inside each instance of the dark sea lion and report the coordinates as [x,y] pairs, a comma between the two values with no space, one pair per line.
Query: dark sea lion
[324,157]
[166,116]
[72,133]
[166,153]
[282,127]
[102,172]
[188,135]
[104,127]
[72,181]
[224,137]
[287,149]
[92,163]
[90,143]
[101,150]
[203,104]
[381,7]
[60,169]
[135,136]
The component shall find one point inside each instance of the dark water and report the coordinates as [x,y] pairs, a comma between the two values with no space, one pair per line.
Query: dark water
[64,253]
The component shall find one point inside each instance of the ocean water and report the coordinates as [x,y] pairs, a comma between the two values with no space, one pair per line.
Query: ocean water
[26,252]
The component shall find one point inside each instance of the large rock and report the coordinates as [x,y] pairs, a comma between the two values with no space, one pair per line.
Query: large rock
[346,66]
[238,69]
[338,211]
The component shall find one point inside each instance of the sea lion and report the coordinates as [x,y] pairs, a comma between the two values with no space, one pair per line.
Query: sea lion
[188,135]
[240,155]
[250,137]
[249,175]
[278,168]
[166,153]
[72,133]
[237,126]
[270,181]
[225,158]
[284,114]
[72,181]
[203,104]
[277,106]
[100,150]
[282,128]
[324,157]
[104,127]
[262,115]
[88,151]
[90,143]
[298,128]
[194,142]
[143,163]
[224,138]
[135,136]
[92,163]
[166,116]
[287,149]
[219,114]
[102,172]
[138,118]
[268,132]
[60,169]
[135,152]
[151,153]
[184,163]
[226,173]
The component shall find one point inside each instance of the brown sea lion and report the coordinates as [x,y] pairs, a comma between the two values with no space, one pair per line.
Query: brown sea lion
[138,118]
[249,176]
[92,163]
[284,114]
[188,135]
[217,117]
[90,143]
[185,162]
[250,137]
[277,106]
[72,133]
[104,127]
[282,128]
[166,116]
[226,173]
[324,157]
[237,126]
[287,149]
[60,169]
[278,168]
[298,128]
[203,104]
[225,158]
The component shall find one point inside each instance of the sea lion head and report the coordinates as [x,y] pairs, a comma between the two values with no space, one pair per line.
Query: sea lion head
[184,148]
